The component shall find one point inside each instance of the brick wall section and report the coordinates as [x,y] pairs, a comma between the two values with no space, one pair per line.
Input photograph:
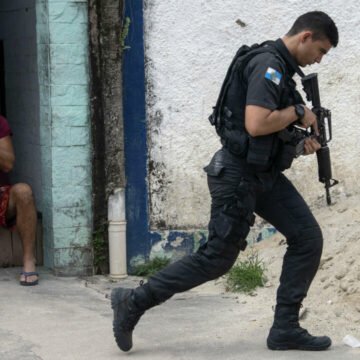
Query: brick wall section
[18,31]
[63,45]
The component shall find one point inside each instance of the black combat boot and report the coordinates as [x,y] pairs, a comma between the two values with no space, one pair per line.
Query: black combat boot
[287,334]
[128,305]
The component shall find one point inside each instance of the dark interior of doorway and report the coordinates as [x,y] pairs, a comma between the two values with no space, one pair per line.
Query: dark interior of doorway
[2,80]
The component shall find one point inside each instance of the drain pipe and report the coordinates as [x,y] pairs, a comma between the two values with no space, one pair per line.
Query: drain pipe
[117,234]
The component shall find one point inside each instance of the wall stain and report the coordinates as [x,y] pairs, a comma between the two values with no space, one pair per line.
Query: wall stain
[240,23]
[176,244]
[158,187]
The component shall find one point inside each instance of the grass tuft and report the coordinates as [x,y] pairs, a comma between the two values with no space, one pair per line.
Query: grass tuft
[246,275]
[151,267]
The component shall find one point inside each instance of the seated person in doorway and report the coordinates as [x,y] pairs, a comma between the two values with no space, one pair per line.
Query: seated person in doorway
[17,207]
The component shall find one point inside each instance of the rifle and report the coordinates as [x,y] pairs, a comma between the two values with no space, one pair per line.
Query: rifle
[311,88]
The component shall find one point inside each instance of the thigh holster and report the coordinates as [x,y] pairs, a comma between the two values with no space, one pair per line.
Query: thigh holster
[234,220]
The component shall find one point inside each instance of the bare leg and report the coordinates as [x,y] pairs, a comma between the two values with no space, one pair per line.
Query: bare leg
[22,205]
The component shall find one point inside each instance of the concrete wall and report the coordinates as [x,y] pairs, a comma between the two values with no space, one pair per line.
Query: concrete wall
[18,30]
[188,47]
[62,40]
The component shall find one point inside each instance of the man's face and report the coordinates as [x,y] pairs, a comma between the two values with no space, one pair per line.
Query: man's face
[311,51]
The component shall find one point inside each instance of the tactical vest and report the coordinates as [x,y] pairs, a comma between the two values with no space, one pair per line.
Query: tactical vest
[228,115]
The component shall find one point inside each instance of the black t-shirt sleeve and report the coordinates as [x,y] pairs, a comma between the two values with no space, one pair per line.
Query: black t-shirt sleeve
[265,80]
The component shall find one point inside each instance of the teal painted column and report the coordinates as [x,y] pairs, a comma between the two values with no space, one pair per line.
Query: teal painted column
[65,135]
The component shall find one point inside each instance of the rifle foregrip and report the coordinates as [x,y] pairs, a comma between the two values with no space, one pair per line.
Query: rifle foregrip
[324,164]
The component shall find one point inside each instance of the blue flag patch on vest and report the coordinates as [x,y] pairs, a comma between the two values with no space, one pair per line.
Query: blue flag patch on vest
[273,75]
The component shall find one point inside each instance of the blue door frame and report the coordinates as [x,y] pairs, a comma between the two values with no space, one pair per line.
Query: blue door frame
[135,133]
[139,237]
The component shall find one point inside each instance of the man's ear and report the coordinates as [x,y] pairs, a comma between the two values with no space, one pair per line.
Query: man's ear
[305,36]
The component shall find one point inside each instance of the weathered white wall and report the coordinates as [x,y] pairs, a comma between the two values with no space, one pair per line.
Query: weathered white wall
[189,45]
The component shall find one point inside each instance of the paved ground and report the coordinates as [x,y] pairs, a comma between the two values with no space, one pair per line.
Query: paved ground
[70,319]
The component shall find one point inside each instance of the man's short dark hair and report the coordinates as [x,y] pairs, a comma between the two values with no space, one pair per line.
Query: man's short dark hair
[319,23]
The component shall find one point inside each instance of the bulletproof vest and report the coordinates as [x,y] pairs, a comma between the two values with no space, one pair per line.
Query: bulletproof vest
[228,116]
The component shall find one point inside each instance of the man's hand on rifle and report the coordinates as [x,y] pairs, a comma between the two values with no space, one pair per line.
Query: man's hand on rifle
[311,145]
[309,119]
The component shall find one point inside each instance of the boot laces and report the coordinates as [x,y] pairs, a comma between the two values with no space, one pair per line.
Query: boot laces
[301,330]
[295,323]
[132,317]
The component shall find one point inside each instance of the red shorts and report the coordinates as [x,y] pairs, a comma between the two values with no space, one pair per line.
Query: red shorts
[4,203]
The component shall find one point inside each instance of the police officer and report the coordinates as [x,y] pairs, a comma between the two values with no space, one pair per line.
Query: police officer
[257,102]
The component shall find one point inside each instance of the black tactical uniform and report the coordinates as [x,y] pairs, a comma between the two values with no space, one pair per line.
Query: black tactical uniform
[238,190]
[244,177]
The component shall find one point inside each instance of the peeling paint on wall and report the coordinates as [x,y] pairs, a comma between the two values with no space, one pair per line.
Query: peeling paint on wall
[159,185]
[171,244]
[175,244]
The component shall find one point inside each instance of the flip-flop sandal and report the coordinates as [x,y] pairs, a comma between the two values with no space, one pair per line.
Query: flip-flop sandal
[27,274]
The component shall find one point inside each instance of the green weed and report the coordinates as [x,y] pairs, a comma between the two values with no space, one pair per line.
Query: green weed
[246,275]
[150,267]
[101,250]
[124,34]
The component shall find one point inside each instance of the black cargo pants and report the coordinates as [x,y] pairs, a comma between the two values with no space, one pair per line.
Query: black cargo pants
[237,193]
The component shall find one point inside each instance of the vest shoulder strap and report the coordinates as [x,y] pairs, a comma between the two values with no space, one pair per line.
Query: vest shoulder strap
[240,60]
